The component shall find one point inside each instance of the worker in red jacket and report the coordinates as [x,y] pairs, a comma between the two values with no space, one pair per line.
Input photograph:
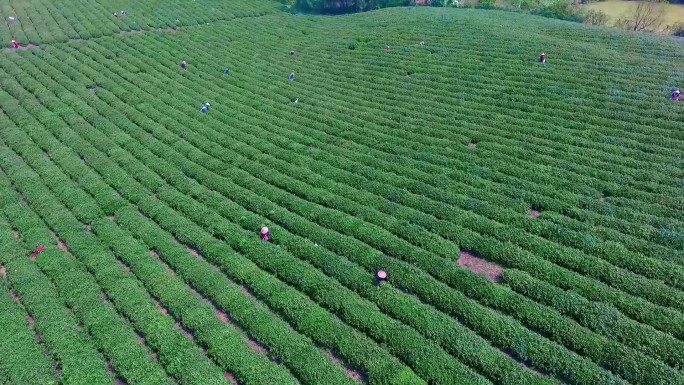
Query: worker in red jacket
[15,44]
[37,251]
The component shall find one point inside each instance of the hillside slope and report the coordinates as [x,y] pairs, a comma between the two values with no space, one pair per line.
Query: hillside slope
[530,217]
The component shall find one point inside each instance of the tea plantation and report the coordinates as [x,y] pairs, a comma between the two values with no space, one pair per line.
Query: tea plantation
[529,216]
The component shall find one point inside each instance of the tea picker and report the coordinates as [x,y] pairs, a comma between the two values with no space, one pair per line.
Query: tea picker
[380,277]
[265,233]
[184,64]
[422,43]
[542,58]
[205,107]
[675,95]
[292,76]
[292,53]
[37,251]
[387,48]
[15,44]
[226,71]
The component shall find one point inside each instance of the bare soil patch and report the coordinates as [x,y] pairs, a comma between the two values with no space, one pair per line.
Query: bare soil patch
[132,32]
[142,342]
[140,339]
[261,349]
[247,291]
[105,299]
[87,229]
[38,338]
[250,293]
[472,145]
[534,213]
[117,379]
[194,251]
[21,48]
[124,267]
[60,243]
[352,373]
[111,217]
[153,254]
[30,320]
[219,313]
[3,272]
[14,296]
[222,316]
[510,355]
[257,347]
[169,30]
[33,256]
[161,308]
[481,266]
[92,89]
[229,376]
[185,331]
[16,234]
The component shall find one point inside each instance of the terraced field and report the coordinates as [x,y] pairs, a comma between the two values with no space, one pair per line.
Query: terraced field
[530,217]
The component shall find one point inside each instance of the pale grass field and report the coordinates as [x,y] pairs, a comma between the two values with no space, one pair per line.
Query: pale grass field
[617,9]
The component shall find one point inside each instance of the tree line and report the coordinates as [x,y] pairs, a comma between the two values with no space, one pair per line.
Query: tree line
[344,6]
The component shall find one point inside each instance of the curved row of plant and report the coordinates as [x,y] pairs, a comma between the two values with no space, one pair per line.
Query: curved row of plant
[159,331]
[306,358]
[392,375]
[144,108]
[635,265]
[78,358]
[41,22]
[22,359]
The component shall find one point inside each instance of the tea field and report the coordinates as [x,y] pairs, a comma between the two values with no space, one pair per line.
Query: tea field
[530,217]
